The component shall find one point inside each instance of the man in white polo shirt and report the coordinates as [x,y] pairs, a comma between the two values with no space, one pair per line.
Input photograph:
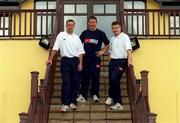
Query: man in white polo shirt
[71,50]
[120,54]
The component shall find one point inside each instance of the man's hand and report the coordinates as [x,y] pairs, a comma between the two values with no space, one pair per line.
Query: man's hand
[49,61]
[80,67]
[130,64]
[100,53]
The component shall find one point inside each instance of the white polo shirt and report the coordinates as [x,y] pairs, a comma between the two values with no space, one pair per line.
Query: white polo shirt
[119,45]
[69,44]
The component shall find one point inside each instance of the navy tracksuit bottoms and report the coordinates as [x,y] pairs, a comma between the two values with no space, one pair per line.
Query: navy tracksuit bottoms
[116,69]
[91,71]
[70,80]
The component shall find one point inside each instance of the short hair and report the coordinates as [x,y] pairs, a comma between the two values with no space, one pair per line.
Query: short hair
[116,23]
[92,17]
[70,20]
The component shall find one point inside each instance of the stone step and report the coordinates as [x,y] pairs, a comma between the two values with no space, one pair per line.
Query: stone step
[123,83]
[101,93]
[90,121]
[57,101]
[90,107]
[90,112]
[101,86]
[90,115]
[101,82]
[58,79]
[123,90]
[102,74]
[103,98]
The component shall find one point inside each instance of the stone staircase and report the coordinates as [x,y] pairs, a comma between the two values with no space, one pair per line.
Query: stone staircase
[90,112]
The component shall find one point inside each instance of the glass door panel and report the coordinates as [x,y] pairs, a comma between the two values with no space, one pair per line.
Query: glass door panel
[81,23]
[105,11]
[104,23]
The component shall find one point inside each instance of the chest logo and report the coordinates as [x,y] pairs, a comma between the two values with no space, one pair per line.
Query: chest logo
[93,41]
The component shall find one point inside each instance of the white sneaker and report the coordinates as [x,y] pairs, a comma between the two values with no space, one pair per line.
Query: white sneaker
[117,106]
[81,99]
[95,98]
[64,108]
[109,101]
[73,106]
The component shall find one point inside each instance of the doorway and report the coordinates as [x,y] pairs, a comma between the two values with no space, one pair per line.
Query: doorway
[79,10]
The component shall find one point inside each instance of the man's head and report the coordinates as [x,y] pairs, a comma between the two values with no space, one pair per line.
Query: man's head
[92,22]
[70,25]
[116,28]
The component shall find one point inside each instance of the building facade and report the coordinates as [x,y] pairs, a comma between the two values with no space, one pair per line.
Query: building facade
[156,23]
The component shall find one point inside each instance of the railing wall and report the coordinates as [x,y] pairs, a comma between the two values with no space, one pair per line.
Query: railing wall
[144,23]
[26,23]
[152,23]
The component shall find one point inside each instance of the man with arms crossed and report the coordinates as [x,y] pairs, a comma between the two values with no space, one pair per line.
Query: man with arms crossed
[120,54]
[92,39]
[71,50]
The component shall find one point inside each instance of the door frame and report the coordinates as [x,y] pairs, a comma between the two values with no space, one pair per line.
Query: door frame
[90,3]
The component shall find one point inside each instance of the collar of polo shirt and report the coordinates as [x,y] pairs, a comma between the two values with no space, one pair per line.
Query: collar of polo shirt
[72,34]
[119,35]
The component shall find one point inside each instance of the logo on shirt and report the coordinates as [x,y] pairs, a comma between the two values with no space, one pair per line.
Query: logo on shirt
[97,66]
[120,68]
[88,40]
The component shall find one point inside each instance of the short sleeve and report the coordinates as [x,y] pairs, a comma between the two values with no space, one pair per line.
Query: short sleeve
[82,36]
[105,39]
[57,43]
[110,46]
[127,42]
[80,48]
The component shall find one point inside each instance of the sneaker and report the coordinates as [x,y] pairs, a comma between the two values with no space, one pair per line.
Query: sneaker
[109,101]
[73,106]
[64,108]
[117,106]
[81,99]
[95,98]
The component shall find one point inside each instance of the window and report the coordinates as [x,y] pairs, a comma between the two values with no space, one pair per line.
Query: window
[45,21]
[4,25]
[107,12]
[104,9]
[174,18]
[175,24]
[134,4]
[135,21]
[77,12]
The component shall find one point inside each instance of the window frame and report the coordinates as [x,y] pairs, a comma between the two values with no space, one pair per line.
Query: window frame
[135,26]
[90,12]
[174,27]
[3,28]
[44,19]
[136,1]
